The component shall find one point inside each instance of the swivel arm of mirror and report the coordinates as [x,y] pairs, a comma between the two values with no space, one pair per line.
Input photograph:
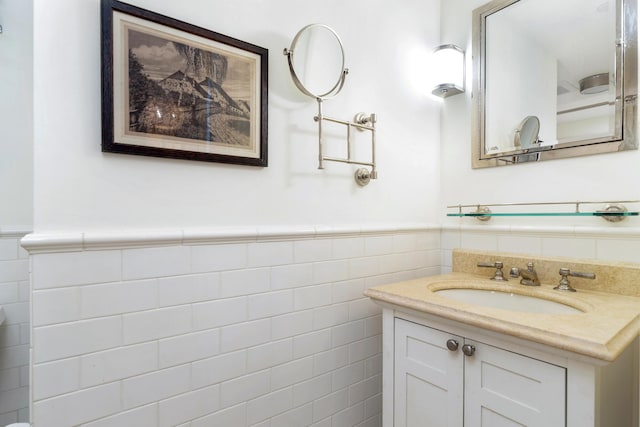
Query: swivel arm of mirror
[529,276]
[564,284]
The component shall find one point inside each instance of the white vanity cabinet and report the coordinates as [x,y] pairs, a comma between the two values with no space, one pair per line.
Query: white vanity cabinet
[439,373]
[445,380]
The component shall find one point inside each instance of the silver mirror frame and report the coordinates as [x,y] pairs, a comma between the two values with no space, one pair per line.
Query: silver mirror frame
[625,134]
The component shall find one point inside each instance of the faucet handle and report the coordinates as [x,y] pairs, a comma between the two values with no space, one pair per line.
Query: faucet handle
[498,276]
[564,280]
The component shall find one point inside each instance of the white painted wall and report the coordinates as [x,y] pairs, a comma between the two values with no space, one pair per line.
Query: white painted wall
[603,177]
[16,204]
[77,187]
[16,115]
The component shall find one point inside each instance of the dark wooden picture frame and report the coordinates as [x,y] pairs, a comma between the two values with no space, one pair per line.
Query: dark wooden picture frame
[171,89]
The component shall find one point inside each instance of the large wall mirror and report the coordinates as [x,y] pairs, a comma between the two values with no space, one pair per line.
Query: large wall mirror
[553,79]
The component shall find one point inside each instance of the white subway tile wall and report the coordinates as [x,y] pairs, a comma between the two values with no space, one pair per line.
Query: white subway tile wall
[255,333]
[266,333]
[606,243]
[14,332]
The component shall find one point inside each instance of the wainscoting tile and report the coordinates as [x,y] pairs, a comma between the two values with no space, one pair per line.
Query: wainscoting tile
[153,324]
[313,389]
[78,407]
[291,276]
[76,338]
[117,298]
[244,282]
[155,262]
[188,348]
[144,416]
[55,306]
[211,258]
[269,355]
[569,246]
[244,388]
[623,250]
[155,386]
[185,407]
[267,254]
[520,244]
[52,383]
[267,406]
[244,335]
[77,268]
[218,369]
[247,331]
[194,288]
[212,314]
[270,304]
[118,363]
[312,250]
[233,416]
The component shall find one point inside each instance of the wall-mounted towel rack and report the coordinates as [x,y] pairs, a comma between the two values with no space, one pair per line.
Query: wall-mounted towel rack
[613,211]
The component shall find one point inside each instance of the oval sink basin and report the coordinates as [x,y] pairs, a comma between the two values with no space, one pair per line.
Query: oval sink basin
[507,301]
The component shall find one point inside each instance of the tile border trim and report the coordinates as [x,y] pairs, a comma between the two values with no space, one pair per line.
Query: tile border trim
[122,239]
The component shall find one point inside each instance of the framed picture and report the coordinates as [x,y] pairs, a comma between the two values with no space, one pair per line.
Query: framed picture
[171,89]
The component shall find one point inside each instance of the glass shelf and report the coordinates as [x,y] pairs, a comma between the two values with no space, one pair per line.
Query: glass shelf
[613,211]
[480,214]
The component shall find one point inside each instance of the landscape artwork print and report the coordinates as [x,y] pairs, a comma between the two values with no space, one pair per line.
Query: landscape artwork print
[184,94]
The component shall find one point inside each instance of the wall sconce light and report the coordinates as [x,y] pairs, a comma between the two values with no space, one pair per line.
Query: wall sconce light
[449,71]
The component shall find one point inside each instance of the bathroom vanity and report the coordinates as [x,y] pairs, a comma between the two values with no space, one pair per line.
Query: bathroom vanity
[447,362]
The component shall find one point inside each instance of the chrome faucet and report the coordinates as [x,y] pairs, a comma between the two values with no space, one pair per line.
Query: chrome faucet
[529,276]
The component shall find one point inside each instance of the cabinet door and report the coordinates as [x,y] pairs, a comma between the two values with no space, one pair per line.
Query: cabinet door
[504,389]
[428,383]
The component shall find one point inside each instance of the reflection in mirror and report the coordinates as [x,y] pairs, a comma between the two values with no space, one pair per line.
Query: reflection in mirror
[316,61]
[526,137]
[562,63]
[527,132]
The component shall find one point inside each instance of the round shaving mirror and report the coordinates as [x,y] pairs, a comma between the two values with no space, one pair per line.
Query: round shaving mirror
[316,61]
[527,133]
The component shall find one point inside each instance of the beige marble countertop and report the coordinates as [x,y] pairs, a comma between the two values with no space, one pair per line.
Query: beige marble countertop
[608,324]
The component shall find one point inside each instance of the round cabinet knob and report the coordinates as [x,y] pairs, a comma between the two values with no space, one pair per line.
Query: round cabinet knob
[468,349]
[452,345]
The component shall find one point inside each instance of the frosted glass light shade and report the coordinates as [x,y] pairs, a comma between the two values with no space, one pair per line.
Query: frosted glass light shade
[449,72]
